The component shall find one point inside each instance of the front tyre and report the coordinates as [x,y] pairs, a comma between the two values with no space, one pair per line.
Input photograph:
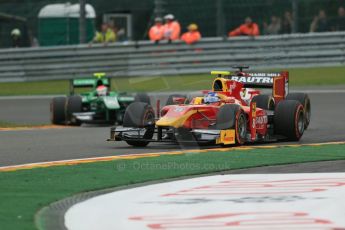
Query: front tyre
[289,119]
[73,105]
[140,115]
[170,100]
[231,116]
[57,110]
[142,97]
[241,127]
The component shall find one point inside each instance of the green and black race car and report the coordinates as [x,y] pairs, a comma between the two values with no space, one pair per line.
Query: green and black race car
[96,105]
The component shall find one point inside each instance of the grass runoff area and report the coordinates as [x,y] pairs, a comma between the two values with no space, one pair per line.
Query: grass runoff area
[11,125]
[24,192]
[5,124]
[298,77]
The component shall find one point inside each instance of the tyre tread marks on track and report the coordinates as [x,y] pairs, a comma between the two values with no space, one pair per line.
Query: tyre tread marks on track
[144,155]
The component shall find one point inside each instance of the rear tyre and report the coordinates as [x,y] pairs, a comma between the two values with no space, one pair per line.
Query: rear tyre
[142,97]
[231,116]
[305,101]
[263,101]
[140,115]
[57,110]
[73,105]
[170,100]
[289,119]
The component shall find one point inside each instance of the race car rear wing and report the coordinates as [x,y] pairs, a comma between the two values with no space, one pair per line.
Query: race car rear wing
[81,83]
[256,80]
[277,81]
[88,83]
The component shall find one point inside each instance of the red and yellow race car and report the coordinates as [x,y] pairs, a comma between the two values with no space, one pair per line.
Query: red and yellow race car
[235,111]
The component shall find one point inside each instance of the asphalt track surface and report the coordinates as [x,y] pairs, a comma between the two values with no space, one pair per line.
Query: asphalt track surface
[29,146]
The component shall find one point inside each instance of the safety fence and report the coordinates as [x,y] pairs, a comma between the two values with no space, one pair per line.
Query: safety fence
[144,58]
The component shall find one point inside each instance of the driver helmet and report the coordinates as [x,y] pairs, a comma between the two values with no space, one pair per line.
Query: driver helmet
[102,90]
[211,97]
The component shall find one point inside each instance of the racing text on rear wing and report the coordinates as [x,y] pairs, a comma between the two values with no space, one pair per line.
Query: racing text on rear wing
[258,80]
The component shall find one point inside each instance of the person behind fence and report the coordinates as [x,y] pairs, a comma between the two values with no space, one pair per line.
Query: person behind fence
[192,36]
[156,32]
[339,22]
[287,23]
[16,38]
[249,28]
[106,35]
[172,28]
[274,27]
[120,33]
[320,23]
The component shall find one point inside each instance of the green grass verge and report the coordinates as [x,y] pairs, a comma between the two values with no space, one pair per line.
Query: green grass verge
[4,124]
[24,192]
[298,77]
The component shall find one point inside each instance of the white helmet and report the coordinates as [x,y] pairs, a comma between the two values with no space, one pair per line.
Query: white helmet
[169,17]
[15,32]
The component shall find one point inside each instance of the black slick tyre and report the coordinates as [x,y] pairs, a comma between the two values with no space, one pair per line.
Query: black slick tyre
[57,110]
[73,105]
[305,101]
[231,116]
[170,100]
[140,115]
[142,97]
[264,101]
[289,119]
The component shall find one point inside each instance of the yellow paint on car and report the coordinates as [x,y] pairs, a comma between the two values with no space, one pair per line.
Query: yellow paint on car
[226,137]
[198,101]
[175,122]
[224,73]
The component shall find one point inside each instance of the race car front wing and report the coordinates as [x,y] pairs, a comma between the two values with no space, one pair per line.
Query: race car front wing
[173,135]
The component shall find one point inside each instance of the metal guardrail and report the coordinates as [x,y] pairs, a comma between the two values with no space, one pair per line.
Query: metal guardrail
[146,59]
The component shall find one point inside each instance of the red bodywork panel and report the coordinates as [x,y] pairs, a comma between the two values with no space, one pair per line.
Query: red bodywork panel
[202,116]
[231,90]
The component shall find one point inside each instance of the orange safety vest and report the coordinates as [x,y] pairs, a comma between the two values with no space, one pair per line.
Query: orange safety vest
[172,30]
[191,37]
[156,32]
[252,30]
